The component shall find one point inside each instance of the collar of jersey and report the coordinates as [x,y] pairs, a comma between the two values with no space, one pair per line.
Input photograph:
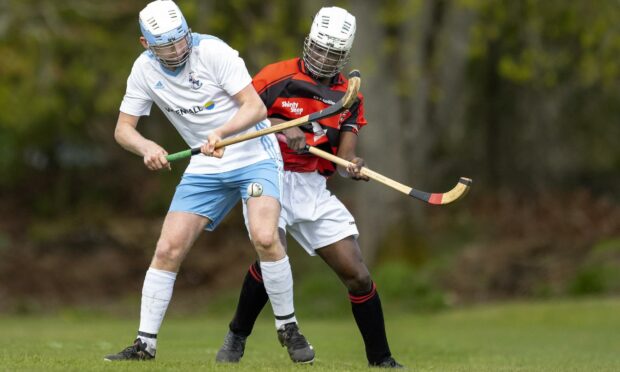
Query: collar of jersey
[167,71]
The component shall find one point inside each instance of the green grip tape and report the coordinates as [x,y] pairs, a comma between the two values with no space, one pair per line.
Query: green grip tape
[179,155]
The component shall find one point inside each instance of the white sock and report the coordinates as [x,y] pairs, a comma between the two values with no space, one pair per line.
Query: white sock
[278,280]
[156,295]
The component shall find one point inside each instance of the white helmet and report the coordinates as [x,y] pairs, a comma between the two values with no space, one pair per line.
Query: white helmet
[327,47]
[166,32]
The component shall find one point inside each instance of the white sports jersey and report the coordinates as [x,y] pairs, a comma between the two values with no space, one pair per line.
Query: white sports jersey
[197,98]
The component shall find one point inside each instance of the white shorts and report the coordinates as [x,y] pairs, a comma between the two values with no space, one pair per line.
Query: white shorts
[311,214]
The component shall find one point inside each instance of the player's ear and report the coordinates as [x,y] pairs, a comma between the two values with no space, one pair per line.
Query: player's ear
[144,43]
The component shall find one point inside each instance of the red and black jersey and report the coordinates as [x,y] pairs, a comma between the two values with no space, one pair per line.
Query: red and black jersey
[289,93]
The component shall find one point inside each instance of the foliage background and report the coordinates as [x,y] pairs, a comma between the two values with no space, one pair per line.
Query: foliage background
[522,96]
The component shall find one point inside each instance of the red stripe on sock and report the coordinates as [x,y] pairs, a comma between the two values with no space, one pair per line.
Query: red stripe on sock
[255,274]
[364,298]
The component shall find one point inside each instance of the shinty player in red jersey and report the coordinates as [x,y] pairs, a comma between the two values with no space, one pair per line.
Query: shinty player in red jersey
[317,220]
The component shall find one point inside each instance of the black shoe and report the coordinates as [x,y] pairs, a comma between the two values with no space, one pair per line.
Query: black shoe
[388,362]
[137,351]
[296,344]
[232,350]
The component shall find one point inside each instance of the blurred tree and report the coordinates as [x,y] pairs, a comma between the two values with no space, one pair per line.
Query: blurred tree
[519,95]
[544,102]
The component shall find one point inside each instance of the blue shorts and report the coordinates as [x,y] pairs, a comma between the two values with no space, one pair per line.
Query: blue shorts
[214,195]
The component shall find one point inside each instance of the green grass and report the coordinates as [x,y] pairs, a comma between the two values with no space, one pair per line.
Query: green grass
[549,336]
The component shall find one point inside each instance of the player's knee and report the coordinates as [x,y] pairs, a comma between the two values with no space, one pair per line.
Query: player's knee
[167,251]
[264,239]
[358,282]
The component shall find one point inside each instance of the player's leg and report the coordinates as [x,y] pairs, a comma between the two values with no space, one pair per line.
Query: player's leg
[178,234]
[345,258]
[199,201]
[324,226]
[253,296]
[263,213]
[252,299]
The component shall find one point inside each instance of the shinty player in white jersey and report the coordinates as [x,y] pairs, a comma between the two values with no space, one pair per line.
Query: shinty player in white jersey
[204,89]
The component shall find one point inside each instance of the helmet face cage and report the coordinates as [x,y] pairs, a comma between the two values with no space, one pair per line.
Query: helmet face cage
[174,53]
[326,49]
[323,61]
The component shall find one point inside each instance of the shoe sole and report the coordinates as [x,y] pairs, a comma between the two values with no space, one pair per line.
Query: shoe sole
[308,362]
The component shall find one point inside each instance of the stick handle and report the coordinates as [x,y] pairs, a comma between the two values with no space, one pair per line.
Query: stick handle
[345,103]
[276,128]
[365,171]
[244,137]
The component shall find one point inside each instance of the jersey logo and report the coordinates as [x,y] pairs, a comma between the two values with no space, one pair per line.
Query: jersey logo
[196,84]
[293,107]
[209,105]
[183,111]
[159,85]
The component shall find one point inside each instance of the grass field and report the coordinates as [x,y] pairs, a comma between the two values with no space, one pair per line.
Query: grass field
[549,336]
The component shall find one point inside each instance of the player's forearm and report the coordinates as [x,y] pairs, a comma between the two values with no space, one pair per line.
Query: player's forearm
[248,115]
[130,139]
[347,146]
[346,150]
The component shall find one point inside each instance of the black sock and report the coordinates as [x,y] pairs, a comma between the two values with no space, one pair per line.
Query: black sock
[252,299]
[369,318]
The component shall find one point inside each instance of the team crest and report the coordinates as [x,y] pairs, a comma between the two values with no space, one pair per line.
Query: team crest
[196,84]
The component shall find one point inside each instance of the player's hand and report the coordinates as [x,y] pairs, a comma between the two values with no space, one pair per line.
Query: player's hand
[355,168]
[154,156]
[209,147]
[295,138]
